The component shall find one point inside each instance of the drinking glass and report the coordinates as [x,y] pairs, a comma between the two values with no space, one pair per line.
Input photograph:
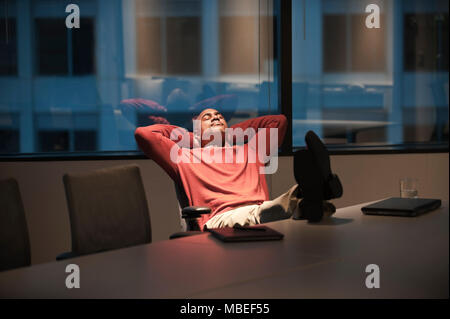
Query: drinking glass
[408,187]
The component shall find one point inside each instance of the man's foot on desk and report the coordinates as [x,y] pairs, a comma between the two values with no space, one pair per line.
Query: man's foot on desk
[328,209]
[320,153]
[314,213]
[332,187]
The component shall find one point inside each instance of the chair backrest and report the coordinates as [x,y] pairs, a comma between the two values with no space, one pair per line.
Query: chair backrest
[14,240]
[107,209]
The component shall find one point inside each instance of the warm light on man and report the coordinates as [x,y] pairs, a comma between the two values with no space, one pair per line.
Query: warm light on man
[235,191]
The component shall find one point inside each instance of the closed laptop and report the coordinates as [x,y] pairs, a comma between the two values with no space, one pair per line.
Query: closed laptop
[396,206]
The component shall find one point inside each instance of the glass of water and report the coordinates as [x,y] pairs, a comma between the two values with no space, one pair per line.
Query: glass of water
[408,187]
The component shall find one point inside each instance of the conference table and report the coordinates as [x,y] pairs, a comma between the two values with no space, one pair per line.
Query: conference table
[325,260]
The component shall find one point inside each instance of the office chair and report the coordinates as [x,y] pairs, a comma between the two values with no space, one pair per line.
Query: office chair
[14,240]
[188,215]
[107,209]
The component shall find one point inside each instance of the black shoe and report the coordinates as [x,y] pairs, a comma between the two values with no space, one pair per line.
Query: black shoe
[332,184]
[312,171]
[311,184]
[312,211]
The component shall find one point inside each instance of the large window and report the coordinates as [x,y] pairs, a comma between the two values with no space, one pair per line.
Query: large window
[140,62]
[131,63]
[362,86]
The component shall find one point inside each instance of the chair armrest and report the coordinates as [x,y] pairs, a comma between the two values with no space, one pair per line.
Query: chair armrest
[67,255]
[194,211]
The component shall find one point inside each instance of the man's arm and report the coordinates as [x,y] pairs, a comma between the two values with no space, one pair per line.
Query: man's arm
[267,122]
[155,142]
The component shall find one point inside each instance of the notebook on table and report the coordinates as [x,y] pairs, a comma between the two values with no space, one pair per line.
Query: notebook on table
[407,207]
[245,233]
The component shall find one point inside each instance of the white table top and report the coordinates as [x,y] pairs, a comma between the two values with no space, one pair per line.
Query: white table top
[325,260]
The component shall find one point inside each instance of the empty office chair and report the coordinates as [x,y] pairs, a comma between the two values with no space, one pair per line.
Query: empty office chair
[14,240]
[107,209]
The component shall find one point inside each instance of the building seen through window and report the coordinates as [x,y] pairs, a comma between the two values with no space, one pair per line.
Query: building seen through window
[370,86]
[131,63]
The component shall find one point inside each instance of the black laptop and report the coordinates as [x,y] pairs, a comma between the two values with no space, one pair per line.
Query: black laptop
[407,207]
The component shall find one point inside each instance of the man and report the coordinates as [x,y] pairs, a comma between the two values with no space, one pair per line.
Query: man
[235,187]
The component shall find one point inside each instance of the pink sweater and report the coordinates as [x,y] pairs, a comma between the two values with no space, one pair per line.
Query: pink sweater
[220,186]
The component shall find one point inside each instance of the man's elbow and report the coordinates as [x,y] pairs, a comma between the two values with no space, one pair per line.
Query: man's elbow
[144,135]
[138,134]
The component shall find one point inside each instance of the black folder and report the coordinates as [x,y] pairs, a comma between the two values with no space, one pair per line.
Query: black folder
[245,233]
[407,207]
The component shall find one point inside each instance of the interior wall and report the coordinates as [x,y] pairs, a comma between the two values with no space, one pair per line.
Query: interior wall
[364,177]
[372,177]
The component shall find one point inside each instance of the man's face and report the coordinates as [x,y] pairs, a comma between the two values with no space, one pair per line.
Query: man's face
[211,119]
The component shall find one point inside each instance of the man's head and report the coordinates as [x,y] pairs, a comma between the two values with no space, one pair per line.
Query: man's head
[212,122]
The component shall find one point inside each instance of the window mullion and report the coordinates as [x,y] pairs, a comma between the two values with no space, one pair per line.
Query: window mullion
[284,39]
[69,52]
